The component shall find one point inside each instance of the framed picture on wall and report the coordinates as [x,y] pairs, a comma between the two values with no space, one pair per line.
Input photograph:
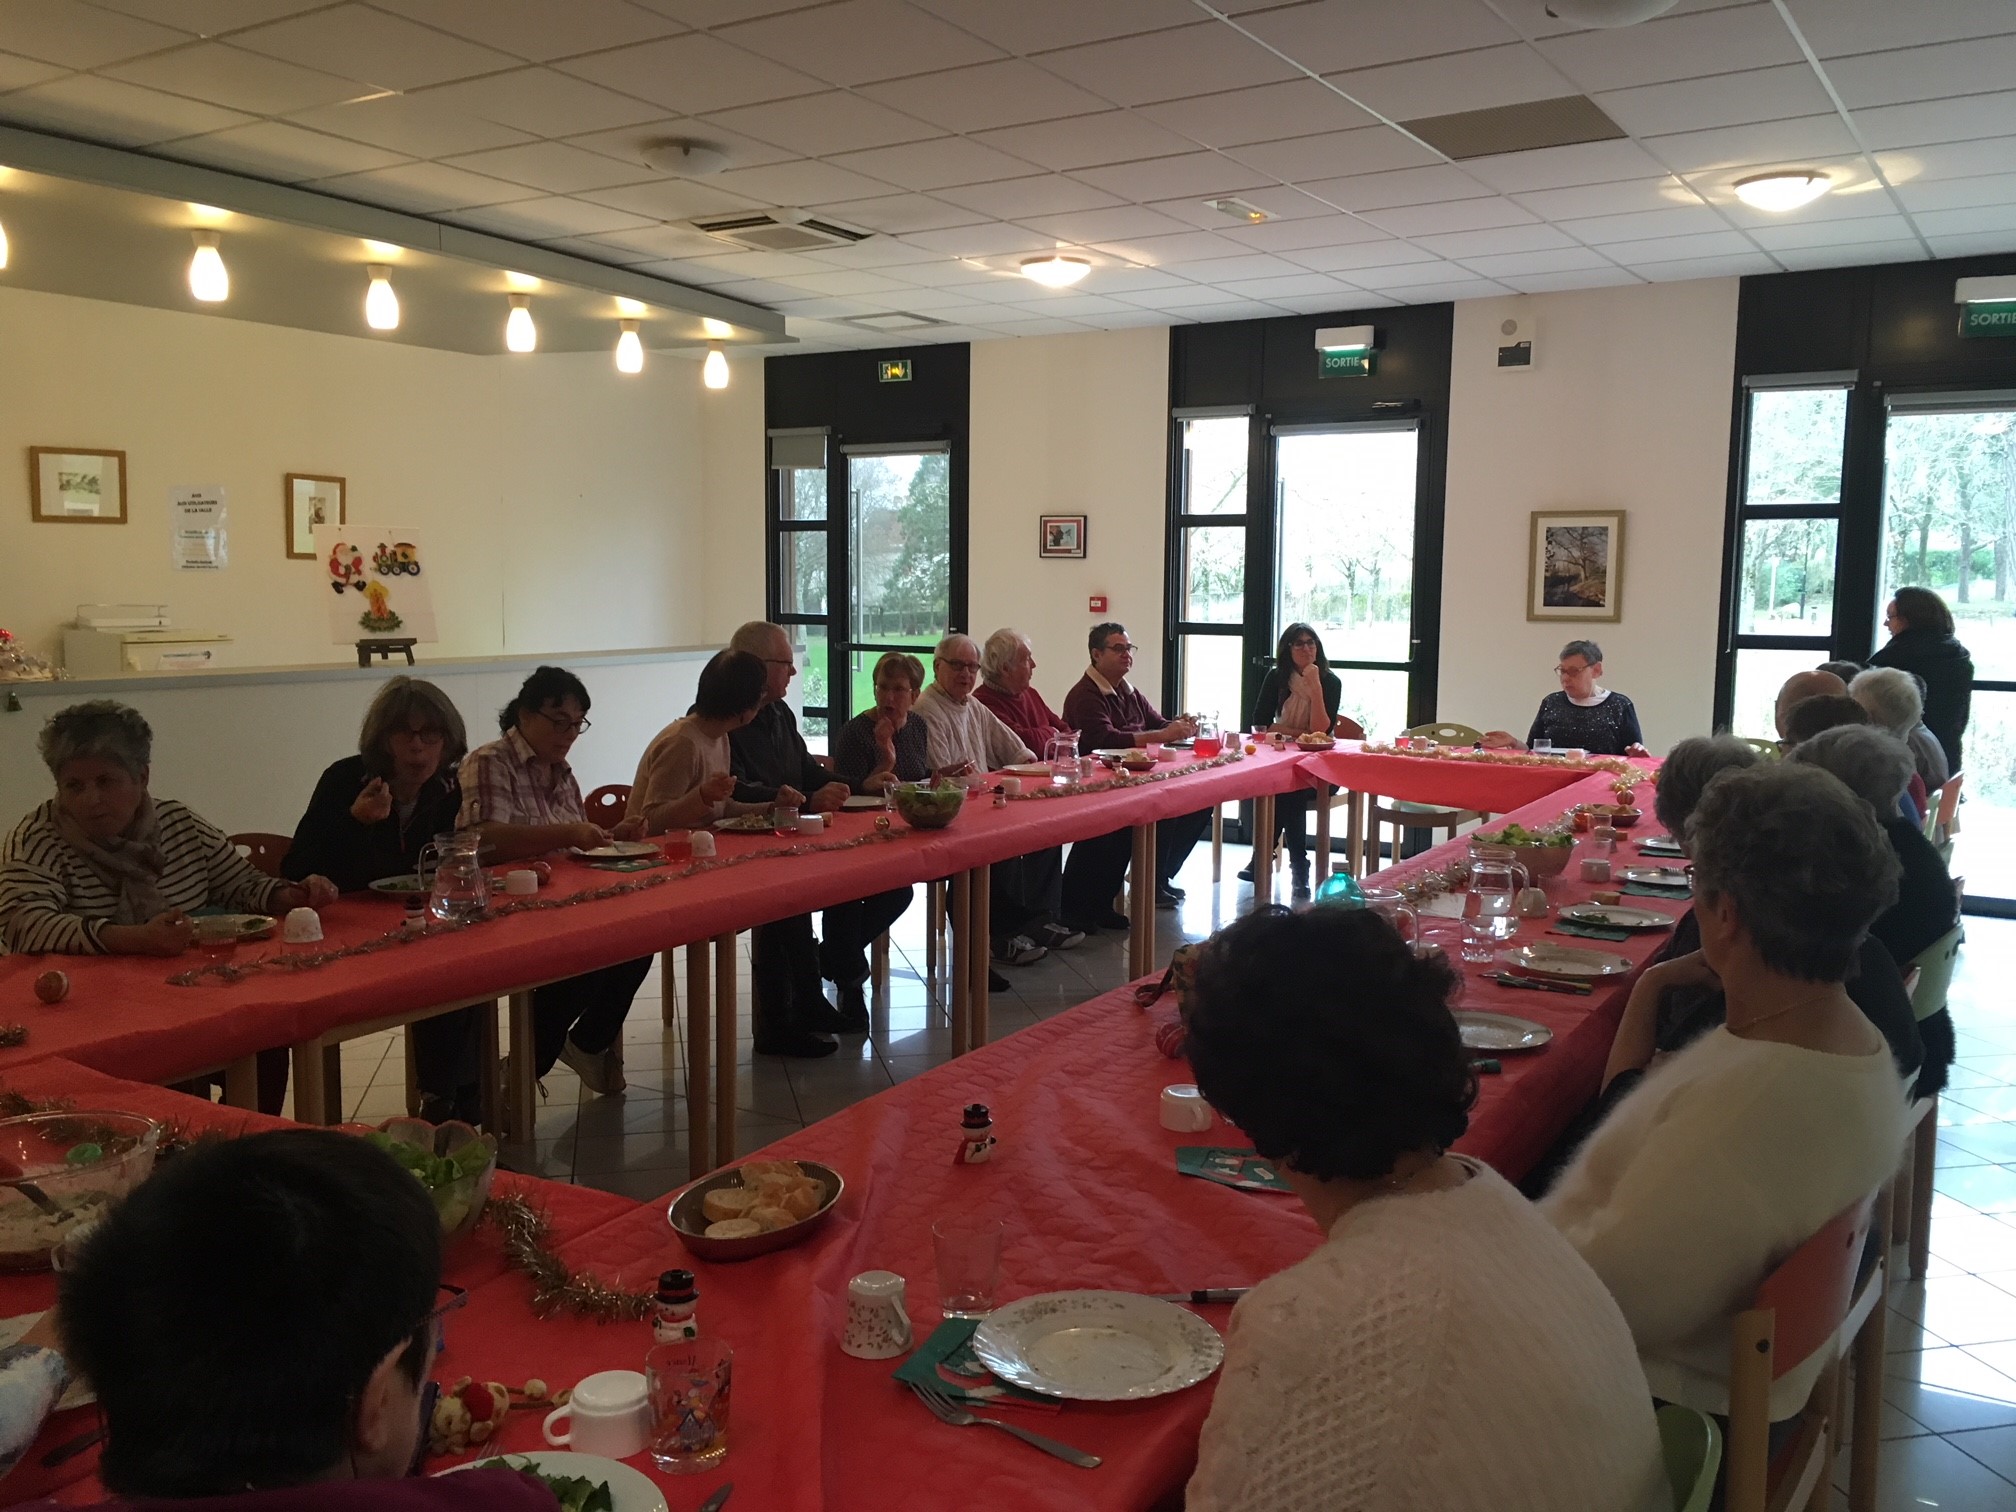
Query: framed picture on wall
[1062,536]
[1575,566]
[312,500]
[77,485]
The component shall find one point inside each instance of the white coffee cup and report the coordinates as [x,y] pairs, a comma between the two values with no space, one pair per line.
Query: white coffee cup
[521,883]
[878,1323]
[1012,786]
[811,824]
[1184,1109]
[703,843]
[609,1414]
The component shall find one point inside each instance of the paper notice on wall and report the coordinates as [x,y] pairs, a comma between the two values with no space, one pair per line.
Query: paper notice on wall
[197,533]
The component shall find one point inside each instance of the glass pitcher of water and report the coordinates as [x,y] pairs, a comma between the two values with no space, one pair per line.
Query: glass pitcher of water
[1210,742]
[1496,878]
[1062,754]
[458,887]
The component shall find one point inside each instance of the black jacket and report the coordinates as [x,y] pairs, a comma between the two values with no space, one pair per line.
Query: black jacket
[352,855]
[1941,664]
[768,753]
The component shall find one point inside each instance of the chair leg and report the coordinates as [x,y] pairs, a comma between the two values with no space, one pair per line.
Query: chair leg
[878,968]
[1217,841]
[1924,1156]
[1865,1452]
[668,990]
[412,1076]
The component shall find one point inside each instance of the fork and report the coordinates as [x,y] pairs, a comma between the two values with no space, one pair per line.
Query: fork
[948,1411]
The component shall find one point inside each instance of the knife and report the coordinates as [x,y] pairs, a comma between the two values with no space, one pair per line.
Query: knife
[718,1500]
[1206,1294]
[1536,984]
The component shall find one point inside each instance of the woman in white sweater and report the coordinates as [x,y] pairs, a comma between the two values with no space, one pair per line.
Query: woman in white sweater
[1735,1150]
[1443,1347]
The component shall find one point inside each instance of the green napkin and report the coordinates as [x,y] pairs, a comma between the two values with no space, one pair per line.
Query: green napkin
[951,1346]
[1229,1167]
[1590,931]
[1644,890]
[628,863]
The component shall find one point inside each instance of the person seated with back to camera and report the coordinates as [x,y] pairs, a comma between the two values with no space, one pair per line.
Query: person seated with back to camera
[1580,715]
[1891,696]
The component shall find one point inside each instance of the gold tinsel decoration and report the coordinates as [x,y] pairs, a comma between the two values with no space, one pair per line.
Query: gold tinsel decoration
[555,1286]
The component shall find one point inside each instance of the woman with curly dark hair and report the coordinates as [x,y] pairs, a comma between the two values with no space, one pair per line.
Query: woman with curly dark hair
[1385,1369]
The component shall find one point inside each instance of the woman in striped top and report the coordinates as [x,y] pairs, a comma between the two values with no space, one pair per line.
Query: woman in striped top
[103,868]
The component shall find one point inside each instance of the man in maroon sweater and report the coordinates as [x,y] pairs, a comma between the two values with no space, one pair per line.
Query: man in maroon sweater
[1109,712]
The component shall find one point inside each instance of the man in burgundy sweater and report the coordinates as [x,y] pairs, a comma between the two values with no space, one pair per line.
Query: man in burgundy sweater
[1109,712]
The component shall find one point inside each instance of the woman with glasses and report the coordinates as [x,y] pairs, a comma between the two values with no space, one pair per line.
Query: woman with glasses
[1580,715]
[1298,696]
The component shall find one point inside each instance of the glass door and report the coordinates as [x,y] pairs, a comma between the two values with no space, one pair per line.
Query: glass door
[899,572]
[1210,548]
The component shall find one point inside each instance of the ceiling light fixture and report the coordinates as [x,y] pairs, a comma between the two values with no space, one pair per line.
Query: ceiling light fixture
[520,335]
[1239,210]
[1347,338]
[1779,192]
[718,330]
[209,279]
[1055,271]
[629,349]
[1989,290]
[3,246]
[381,305]
[1607,13]
[714,371]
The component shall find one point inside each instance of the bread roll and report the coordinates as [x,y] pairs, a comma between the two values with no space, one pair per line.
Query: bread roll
[727,1202]
[803,1200]
[734,1228]
[770,1217]
[753,1171]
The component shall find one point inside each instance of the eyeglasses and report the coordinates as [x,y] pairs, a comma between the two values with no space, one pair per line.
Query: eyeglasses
[1567,671]
[1297,645]
[780,661]
[563,724]
[959,666]
[1125,647]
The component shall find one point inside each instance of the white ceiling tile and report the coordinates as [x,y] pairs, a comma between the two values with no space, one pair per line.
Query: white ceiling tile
[1028,26]
[1639,254]
[1926,121]
[1337,34]
[553,166]
[934,164]
[19,73]
[1609,199]
[538,30]
[690,272]
[1172,251]
[1742,266]
[828,308]
[882,253]
[949,272]
[929,301]
[207,18]
[1461,288]
[1222,270]
[1501,239]
[1925,73]
[1169,65]
[805,182]
[1873,228]
[1387,252]
[415,125]
[1950,160]
[844,282]
[692,73]
[757,291]
[1563,167]
[1731,99]
[361,43]
[1936,223]
[1975,244]
[860,41]
[1087,141]
[1458,215]
[75,35]
[1124,278]
[1264,113]
[663,242]
[1406,186]
[1769,142]
[670,199]
[425,188]
[1074,305]
[1173,298]
[1043,326]
[1019,199]
[1195,175]
[1118,224]
[1961,193]
[106,110]
[897,214]
[1852,255]
[1560,260]
[541,101]
[1342,304]
[990,240]
[1006,92]
[823,124]
[1462,81]
[277,150]
[594,251]
[1336,154]
[1555,283]
[221,75]
[1835,27]
[547,219]
[987,314]
[1673,47]
[1242,309]
[1644,225]
[1296,235]
[1296,285]
[776,265]
[1406,275]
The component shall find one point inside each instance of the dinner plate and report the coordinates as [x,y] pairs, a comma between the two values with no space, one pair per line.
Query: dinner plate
[1117,752]
[1614,916]
[77,1393]
[630,1490]
[1501,1031]
[1098,1346]
[754,824]
[1566,961]
[1659,876]
[246,926]
[1660,845]
[617,850]
[399,887]
[1030,769]
[870,800]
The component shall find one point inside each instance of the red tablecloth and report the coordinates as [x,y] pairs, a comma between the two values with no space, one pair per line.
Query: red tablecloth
[1486,786]
[123,1018]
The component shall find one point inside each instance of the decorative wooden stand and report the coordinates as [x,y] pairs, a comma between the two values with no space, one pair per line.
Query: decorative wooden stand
[385,649]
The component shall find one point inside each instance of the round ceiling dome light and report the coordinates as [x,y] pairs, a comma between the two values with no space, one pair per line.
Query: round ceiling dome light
[1779,192]
[1608,12]
[1055,271]
[684,158]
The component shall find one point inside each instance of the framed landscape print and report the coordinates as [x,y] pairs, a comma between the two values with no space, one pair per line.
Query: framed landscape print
[312,500]
[1062,536]
[1575,566]
[77,485]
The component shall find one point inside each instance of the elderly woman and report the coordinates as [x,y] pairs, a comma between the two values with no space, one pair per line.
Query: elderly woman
[1740,1147]
[105,868]
[1582,715]
[1298,696]
[1894,703]
[1922,643]
[685,776]
[1384,1369]
[1007,670]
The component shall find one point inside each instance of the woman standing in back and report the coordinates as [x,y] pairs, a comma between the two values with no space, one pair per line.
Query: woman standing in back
[1922,643]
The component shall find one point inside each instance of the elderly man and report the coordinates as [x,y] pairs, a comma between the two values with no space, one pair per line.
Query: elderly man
[1007,670]
[964,736]
[1801,686]
[1108,711]
[773,765]
[1891,696]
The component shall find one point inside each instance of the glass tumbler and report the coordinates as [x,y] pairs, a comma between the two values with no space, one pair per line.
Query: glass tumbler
[968,1252]
[689,1383]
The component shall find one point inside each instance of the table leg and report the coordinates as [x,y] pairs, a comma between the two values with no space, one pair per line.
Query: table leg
[332,1083]
[241,1083]
[309,1107]
[412,1072]
[489,1078]
[725,1017]
[1217,842]
[980,893]
[1263,848]
[1354,834]
[965,945]
[1324,793]
[699,1060]
[1141,904]
[522,1094]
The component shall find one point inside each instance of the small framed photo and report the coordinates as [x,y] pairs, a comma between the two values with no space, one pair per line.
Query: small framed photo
[77,485]
[1575,566]
[1062,536]
[312,500]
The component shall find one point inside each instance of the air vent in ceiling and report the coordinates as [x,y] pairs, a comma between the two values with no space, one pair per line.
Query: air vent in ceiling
[779,231]
[895,320]
[1517,128]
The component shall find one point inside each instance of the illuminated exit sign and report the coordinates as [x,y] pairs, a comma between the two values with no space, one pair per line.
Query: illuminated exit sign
[897,371]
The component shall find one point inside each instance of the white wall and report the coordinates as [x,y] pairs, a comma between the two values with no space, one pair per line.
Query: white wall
[561,502]
[1627,407]
[735,485]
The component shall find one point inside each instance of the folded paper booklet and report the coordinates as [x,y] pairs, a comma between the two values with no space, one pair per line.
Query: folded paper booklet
[1229,1167]
[946,1362]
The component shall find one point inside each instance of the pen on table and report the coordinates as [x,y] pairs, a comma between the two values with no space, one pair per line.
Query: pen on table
[1207,1294]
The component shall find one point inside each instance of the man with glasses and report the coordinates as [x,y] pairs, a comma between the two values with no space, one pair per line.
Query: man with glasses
[259,1320]
[1109,712]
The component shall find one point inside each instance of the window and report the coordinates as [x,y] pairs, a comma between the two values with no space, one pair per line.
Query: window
[1209,537]
[799,559]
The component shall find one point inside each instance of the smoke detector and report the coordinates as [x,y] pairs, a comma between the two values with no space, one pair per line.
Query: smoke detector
[685,158]
[779,231]
[1607,13]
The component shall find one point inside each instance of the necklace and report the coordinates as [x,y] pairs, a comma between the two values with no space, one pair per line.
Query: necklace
[1791,1007]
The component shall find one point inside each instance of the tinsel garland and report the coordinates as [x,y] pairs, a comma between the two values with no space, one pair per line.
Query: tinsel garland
[236,971]
[1128,780]
[556,1286]
[1615,764]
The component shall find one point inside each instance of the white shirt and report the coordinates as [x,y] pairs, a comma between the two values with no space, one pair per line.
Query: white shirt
[967,731]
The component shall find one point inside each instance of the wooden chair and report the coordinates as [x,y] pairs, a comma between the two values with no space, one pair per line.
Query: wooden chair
[1945,820]
[1446,734]
[1768,749]
[265,852]
[1345,728]
[1930,974]
[1404,816]
[1692,1447]
[605,805]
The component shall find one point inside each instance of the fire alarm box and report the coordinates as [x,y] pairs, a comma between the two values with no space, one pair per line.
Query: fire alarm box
[1096,604]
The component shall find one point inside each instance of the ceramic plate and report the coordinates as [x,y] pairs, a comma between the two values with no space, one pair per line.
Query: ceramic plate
[1029,769]
[77,1393]
[1615,917]
[247,926]
[1658,876]
[617,850]
[1566,961]
[398,887]
[630,1490]
[870,800]
[1660,845]
[1098,1346]
[1501,1031]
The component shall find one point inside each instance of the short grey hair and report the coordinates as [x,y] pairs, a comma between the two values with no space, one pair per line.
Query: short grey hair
[1801,859]
[1872,764]
[754,637]
[1891,696]
[1588,650]
[1000,650]
[101,728]
[951,643]
[1688,769]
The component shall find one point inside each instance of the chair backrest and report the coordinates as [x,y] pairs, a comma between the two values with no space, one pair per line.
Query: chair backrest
[1934,965]
[1811,1289]
[265,852]
[1347,728]
[1930,824]
[1949,806]
[605,805]
[1768,749]
[1446,734]
[1692,1446]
